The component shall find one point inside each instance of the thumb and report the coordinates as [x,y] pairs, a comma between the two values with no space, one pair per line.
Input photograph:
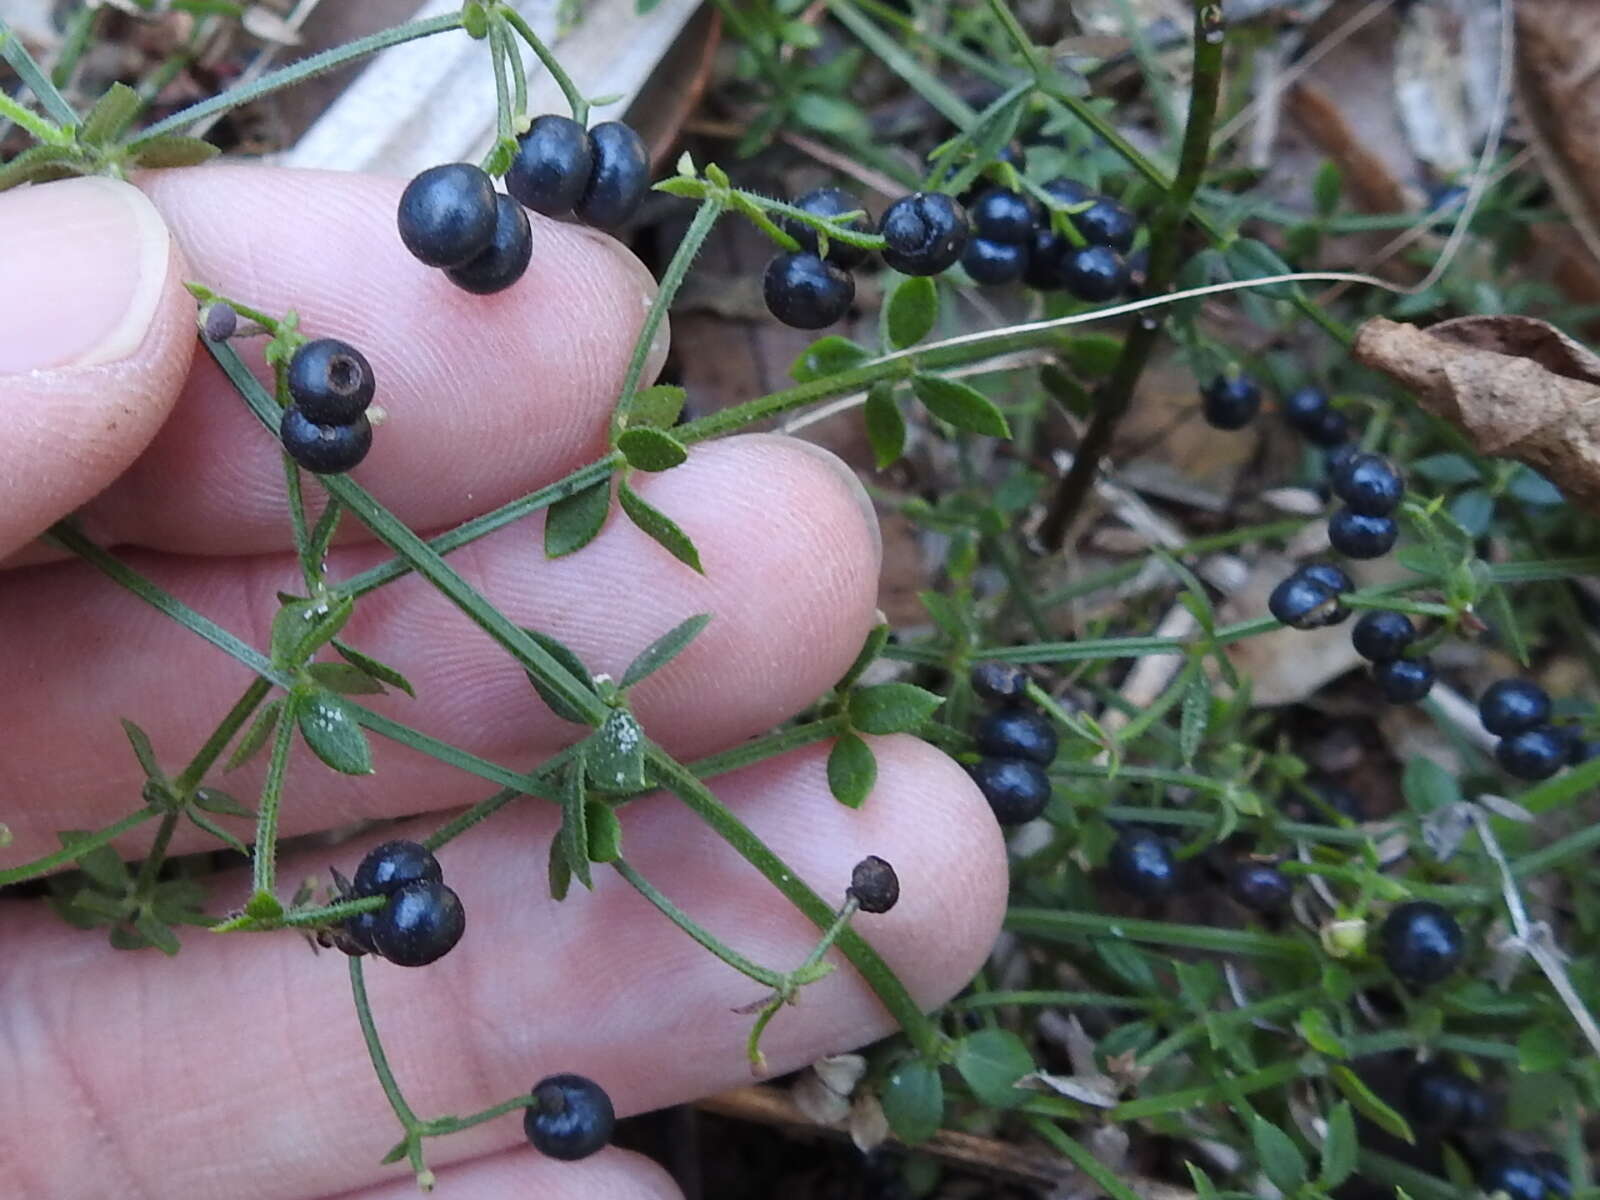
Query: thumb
[96,334]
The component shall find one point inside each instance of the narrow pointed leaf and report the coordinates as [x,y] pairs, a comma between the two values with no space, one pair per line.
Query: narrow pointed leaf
[664,649]
[1368,1105]
[962,406]
[111,114]
[218,832]
[173,150]
[344,678]
[652,449]
[573,521]
[142,750]
[852,770]
[605,833]
[157,932]
[256,736]
[559,651]
[560,872]
[301,627]
[660,527]
[1278,1155]
[574,835]
[886,424]
[380,671]
[330,729]
[215,800]
[101,864]
[1339,1148]
[877,638]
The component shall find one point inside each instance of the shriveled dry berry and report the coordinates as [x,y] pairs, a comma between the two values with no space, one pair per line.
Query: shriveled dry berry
[873,885]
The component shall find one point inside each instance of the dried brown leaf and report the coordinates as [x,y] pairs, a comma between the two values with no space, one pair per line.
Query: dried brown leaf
[1518,387]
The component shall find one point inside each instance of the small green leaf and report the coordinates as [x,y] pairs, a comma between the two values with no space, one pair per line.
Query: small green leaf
[345,679]
[1093,355]
[1339,1148]
[913,1100]
[1320,1035]
[330,729]
[991,1061]
[614,753]
[111,114]
[574,834]
[1196,716]
[263,906]
[1428,786]
[218,832]
[573,521]
[827,356]
[1326,186]
[877,638]
[651,449]
[852,770]
[891,707]
[910,312]
[101,864]
[215,800]
[1473,510]
[1280,1158]
[380,671]
[886,425]
[829,114]
[664,649]
[560,872]
[559,651]
[157,932]
[660,527]
[38,164]
[658,407]
[143,750]
[962,406]
[301,627]
[1543,1047]
[1368,1105]
[172,150]
[256,736]
[605,833]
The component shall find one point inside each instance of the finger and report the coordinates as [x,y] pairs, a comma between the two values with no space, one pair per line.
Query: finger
[102,1043]
[96,333]
[519,1174]
[487,396]
[791,558]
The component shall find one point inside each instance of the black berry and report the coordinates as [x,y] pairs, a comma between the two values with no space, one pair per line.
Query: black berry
[924,233]
[421,923]
[1404,680]
[570,1118]
[389,867]
[1356,535]
[1001,215]
[1510,706]
[1068,192]
[1329,575]
[1017,733]
[999,681]
[874,885]
[1261,887]
[803,291]
[1517,1175]
[1533,754]
[1381,633]
[330,381]
[1330,431]
[1015,788]
[1552,1170]
[324,449]
[1107,223]
[1230,403]
[1304,408]
[1441,1100]
[1141,864]
[504,259]
[830,203]
[619,180]
[994,263]
[1045,252]
[1304,602]
[1369,484]
[1094,273]
[552,166]
[1421,942]
[447,214]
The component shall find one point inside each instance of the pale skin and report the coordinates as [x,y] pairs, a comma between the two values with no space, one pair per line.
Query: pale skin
[237,1069]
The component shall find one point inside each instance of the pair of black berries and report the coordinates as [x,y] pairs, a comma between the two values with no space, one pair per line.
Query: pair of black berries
[421,919]
[325,428]
[452,218]
[1016,744]
[1530,747]
[1371,488]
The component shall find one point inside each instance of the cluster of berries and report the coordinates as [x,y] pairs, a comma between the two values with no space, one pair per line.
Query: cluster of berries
[1530,747]
[999,236]
[325,427]
[1443,1102]
[452,218]
[1016,743]
[421,919]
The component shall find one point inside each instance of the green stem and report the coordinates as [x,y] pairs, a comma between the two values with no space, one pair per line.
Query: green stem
[1055,999]
[1165,236]
[1190,1098]
[903,63]
[103,837]
[500,49]
[1083,1158]
[773,744]
[40,129]
[575,98]
[741,964]
[296,73]
[380,1061]
[1067,925]
[265,857]
[154,857]
[34,78]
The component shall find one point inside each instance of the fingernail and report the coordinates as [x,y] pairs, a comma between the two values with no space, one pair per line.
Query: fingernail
[82,266]
[850,480]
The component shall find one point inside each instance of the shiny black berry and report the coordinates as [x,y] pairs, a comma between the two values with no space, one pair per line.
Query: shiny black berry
[873,885]
[1107,223]
[389,867]
[324,449]
[1045,251]
[1517,1175]
[1094,273]
[358,932]
[619,179]
[1141,864]
[1016,789]
[1421,942]
[994,263]
[1441,1100]
[830,203]
[1335,456]
[1381,633]
[421,923]
[1017,733]
[1510,706]
[1001,215]
[1329,575]
[1330,431]
[570,1118]
[1068,192]
[330,381]
[999,681]
[505,258]
[1369,484]
[1303,601]
[1304,408]
[1356,535]
[924,233]
[1552,1169]
[1261,887]
[447,214]
[552,166]
[1404,680]
[1230,402]
[803,291]
[1533,754]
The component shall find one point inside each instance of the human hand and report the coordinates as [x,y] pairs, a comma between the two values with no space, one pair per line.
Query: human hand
[238,1069]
